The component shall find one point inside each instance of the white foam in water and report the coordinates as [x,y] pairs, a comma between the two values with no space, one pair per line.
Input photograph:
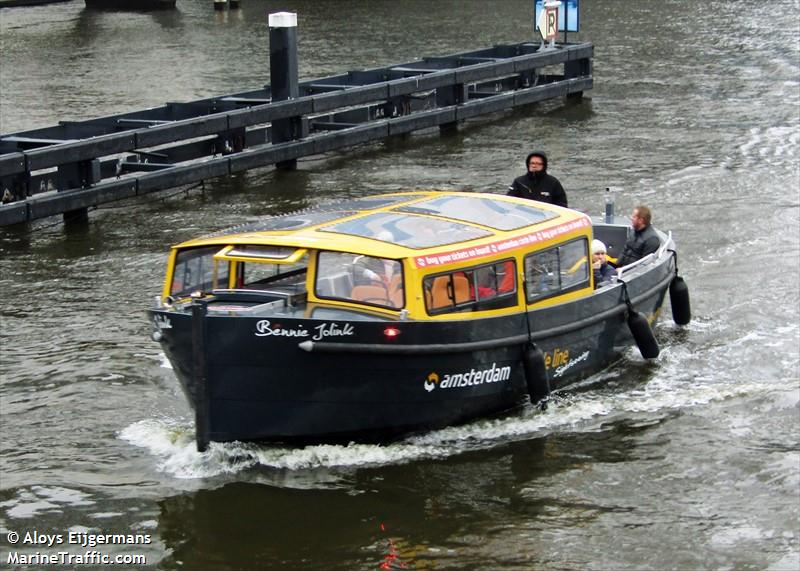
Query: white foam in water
[174,443]
[672,386]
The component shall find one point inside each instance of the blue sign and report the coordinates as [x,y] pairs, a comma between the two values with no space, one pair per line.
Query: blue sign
[568,7]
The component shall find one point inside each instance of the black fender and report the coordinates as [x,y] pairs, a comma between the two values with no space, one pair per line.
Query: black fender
[679,300]
[643,335]
[536,375]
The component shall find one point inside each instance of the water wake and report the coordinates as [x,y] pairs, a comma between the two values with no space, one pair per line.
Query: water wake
[172,441]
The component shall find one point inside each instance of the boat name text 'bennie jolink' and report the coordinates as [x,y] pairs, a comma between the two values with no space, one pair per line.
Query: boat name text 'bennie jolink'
[264,329]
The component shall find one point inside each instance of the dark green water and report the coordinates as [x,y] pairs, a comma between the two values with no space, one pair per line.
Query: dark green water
[691,462]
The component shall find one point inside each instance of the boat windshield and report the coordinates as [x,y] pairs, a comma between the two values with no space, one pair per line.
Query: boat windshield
[493,213]
[197,270]
[363,279]
[408,230]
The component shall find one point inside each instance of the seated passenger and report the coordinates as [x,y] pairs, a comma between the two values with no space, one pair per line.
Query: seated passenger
[487,283]
[603,272]
[381,273]
[644,241]
[381,270]
[508,280]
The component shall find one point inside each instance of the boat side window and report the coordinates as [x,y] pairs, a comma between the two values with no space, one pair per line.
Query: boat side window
[490,286]
[196,270]
[362,279]
[557,270]
[254,275]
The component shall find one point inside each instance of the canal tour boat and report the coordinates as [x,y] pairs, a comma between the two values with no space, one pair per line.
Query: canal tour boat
[373,318]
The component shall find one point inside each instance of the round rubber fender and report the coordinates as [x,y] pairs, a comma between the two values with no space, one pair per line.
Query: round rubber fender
[679,299]
[536,375]
[643,335]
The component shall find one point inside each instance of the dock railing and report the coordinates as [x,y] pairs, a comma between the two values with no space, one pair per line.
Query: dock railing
[68,168]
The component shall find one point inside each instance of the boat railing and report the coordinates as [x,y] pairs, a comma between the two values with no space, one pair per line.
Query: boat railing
[666,245]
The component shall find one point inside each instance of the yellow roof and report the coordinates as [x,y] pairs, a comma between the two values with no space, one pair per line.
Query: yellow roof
[408,224]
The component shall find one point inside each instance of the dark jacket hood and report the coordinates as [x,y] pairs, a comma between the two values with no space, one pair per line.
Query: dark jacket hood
[539,154]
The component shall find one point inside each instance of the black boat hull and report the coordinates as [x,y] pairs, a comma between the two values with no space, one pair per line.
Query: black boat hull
[314,380]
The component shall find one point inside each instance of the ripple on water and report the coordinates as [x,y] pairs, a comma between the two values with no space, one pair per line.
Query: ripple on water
[34,501]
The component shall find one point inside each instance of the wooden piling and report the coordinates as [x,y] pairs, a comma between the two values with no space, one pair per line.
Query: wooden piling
[283,76]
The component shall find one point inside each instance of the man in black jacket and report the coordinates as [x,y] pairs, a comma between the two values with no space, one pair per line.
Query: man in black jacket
[537,184]
[644,241]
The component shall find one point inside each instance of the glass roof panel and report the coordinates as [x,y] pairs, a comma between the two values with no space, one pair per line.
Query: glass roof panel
[496,214]
[289,222]
[408,230]
[318,214]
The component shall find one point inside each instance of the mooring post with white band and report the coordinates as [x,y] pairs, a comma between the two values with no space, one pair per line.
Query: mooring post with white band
[283,76]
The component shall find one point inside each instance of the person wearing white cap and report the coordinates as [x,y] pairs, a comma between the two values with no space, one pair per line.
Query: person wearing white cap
[602,269]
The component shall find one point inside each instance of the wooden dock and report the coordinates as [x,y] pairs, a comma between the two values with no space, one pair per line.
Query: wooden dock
[76,165]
